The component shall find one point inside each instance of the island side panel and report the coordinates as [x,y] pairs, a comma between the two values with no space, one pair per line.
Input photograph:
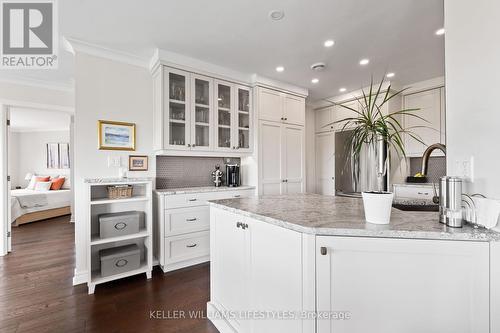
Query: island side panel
[495,287]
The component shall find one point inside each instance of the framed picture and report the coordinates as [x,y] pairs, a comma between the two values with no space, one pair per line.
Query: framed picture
[64,155]
[137,163]
[52,156]
[114,135]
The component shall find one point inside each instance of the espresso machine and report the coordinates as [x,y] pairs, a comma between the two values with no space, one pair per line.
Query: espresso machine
[233,175]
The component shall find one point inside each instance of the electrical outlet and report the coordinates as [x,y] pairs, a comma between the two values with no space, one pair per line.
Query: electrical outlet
[465,169]
[114,161]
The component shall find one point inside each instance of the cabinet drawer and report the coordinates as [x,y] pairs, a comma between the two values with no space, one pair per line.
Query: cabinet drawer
[414,192]
[187,200]
[233,194]
[184,220]
[187,247]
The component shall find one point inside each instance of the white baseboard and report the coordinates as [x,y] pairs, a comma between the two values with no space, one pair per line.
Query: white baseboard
[80,277]
[220,323]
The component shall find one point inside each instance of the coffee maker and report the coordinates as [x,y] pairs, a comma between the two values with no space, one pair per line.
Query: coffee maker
[232,175]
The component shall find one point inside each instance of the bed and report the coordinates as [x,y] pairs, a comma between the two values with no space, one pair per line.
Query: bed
[30,205]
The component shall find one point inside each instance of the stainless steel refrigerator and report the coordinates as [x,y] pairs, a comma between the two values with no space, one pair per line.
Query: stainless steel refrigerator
[354,175]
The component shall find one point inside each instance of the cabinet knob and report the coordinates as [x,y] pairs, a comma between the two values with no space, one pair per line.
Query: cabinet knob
[239,224]
[286,118]
[189,145]
[244,226]
[323,251]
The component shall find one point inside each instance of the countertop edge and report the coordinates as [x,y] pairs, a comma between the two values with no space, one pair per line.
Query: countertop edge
[201,189]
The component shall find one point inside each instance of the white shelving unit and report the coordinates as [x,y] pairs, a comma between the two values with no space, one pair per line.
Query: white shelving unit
[98,203]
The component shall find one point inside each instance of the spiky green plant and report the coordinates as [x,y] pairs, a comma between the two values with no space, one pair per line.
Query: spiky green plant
[369,124]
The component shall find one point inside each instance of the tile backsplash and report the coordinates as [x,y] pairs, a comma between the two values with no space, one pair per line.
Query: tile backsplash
[181,171]
[436,168]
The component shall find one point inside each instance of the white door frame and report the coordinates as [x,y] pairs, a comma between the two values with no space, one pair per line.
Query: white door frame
[5,105]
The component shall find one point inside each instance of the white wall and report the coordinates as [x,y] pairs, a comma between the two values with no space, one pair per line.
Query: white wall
[310,151]
[28,152]
[106,90]
[39,95]
[472,81]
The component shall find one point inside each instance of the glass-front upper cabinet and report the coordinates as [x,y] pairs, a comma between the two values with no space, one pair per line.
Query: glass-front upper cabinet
[178,111]
[224,115]
[244,117]
[202,88]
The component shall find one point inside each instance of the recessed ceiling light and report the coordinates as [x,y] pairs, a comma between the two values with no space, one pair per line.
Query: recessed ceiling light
[364,62]
[280,69]
[276,15]
[342,89]
[390,74]
[440,32]
[329,43]
[315,80]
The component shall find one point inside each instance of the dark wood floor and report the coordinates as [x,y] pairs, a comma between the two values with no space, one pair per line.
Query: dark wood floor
[36,292]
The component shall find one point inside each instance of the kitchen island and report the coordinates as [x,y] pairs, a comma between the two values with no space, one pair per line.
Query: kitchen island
[310,263]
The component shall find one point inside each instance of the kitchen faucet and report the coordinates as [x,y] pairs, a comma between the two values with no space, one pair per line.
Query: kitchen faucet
[427,155]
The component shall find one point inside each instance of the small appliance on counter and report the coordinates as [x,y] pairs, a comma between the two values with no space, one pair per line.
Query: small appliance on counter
[232,175]
[450,201]
[217,176]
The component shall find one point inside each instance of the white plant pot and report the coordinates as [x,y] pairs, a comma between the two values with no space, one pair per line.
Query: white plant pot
[378,207]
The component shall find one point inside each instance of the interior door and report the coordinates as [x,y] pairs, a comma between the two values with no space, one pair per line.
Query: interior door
[270,157]
[293,158]
[4,183]
[325,163]
[294,109]
[429,103]
[402,285]
[178,113]
[201,112]
[9,185]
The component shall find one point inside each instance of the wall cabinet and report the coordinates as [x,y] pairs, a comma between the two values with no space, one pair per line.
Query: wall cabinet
[281,107]
[282,162]
[325,163]
[327,116]
[433,130]
[428,285]
[199,113]
[249,260]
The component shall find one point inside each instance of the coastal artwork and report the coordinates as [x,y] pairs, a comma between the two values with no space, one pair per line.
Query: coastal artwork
[115,135]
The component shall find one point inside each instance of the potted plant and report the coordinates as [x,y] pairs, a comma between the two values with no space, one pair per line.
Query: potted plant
[380,134]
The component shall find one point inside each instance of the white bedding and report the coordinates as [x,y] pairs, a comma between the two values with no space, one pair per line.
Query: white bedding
[55,199]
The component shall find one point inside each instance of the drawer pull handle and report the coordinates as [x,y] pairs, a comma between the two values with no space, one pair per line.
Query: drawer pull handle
[191,220]
[121,263]
[424,193]
[323,251]
[120,226]
[237,195]
[239,224]
[192,245]
[194,199]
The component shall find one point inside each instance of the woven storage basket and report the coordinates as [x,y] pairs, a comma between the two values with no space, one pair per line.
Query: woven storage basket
[119,192]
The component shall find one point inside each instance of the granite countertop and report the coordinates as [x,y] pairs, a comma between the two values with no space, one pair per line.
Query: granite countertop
[341,216]
[116,180]
[200,189]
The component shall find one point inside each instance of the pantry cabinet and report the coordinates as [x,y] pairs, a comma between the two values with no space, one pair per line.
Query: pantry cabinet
[282,161]
[325,163]
[193,112]
[281,107]
[432,128]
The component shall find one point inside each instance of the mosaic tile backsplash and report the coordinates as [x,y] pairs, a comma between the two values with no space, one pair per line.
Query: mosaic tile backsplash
[436,168]
[180,171]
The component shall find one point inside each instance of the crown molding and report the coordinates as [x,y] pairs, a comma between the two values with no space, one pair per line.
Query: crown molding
[74,46]
[265,82]
[52,85]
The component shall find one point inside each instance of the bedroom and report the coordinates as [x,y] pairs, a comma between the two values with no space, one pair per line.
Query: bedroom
[39,167]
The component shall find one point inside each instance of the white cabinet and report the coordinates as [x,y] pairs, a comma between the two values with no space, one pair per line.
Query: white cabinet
[193,113]
[431,105]
[182,224]
[282,161]
[402,285]
[281,107]
[256,266]
[325,163]
[324,119]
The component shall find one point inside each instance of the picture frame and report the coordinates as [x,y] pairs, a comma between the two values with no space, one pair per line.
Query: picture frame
[138,163]
[52,155]
[64,157]
[116,135]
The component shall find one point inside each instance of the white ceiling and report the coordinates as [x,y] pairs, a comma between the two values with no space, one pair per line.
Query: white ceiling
[30,120]
[396,35]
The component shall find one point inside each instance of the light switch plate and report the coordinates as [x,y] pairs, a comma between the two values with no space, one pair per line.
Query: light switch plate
[465,169]
[114,161]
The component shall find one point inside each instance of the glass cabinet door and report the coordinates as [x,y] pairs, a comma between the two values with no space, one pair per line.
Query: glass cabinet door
[178,111]
[244,117]
[224,115]
[202,112]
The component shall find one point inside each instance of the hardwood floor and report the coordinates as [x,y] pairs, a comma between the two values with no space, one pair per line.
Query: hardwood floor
[36,292]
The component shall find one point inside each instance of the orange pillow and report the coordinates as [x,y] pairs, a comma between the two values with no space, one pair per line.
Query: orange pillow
[42,178]
[57,183]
